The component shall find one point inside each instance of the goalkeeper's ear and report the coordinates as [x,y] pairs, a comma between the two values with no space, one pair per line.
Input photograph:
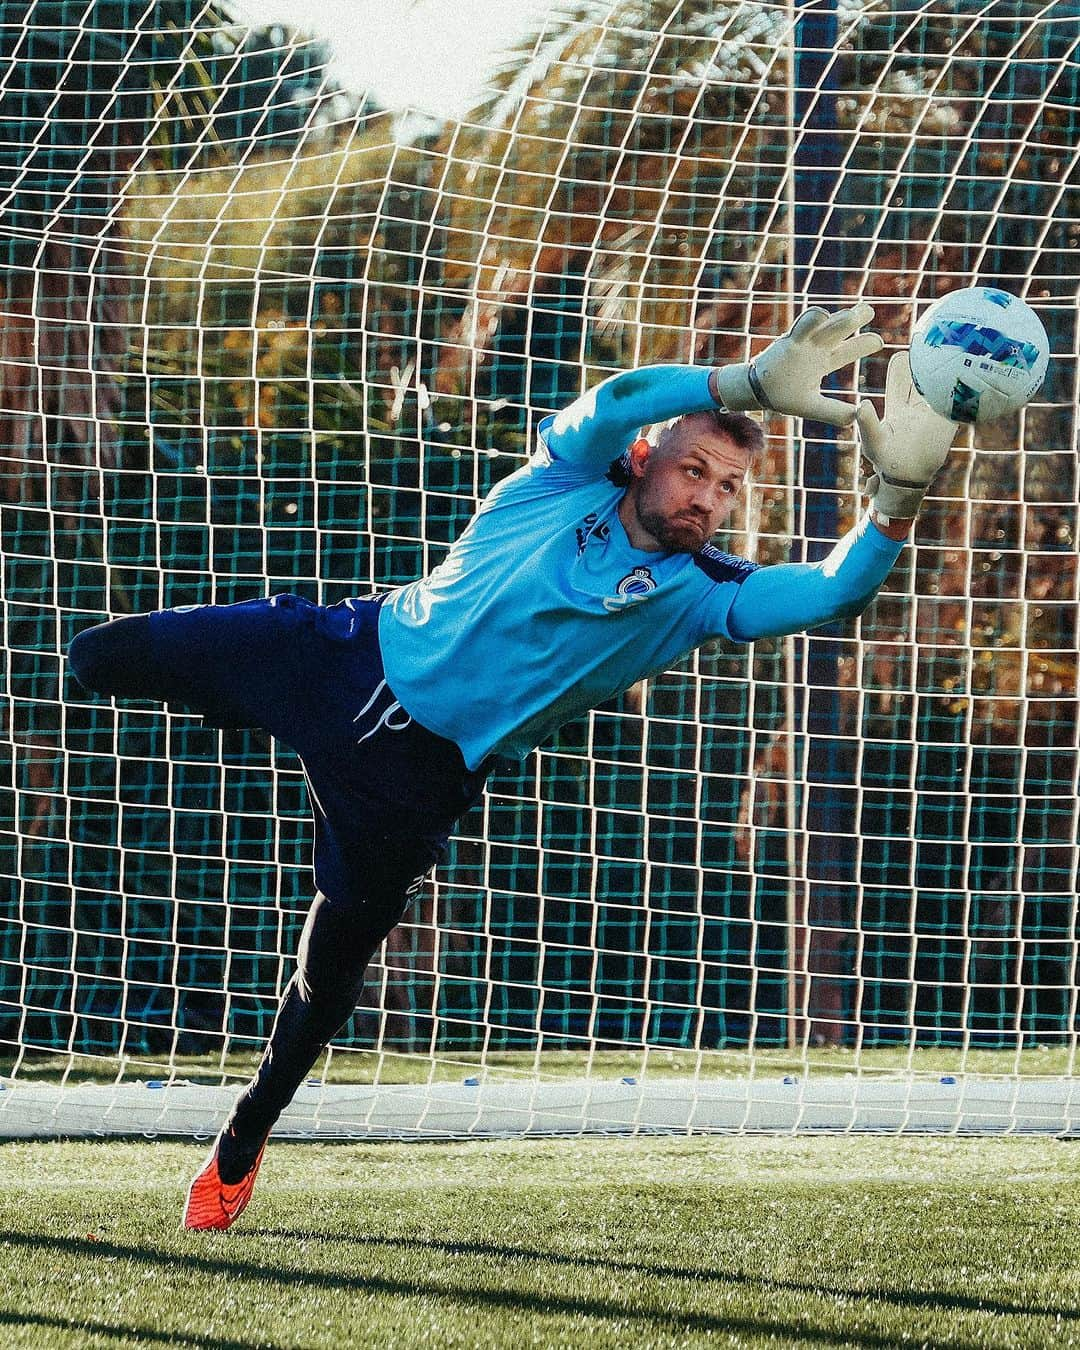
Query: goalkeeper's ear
[637,456]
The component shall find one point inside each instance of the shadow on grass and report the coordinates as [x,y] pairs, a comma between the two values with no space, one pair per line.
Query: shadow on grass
[932,1302]
[125,1334]
[566,1305]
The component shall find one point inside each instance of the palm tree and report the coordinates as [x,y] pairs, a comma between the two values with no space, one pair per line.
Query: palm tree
[614,190]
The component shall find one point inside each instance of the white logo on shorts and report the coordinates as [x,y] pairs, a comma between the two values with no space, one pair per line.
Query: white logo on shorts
[415,887]
[384,718]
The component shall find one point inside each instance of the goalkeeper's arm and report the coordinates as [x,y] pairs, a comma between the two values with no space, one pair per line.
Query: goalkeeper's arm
[785,378]
[906,448]
[792,597]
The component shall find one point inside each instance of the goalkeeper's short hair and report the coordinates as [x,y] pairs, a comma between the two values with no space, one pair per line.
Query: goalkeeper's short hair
[741,430]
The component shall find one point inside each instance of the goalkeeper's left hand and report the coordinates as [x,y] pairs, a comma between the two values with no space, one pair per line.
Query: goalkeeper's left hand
[787,376]
[906,449]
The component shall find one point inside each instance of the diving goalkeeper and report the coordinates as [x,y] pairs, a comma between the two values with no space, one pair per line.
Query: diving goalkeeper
[587,570]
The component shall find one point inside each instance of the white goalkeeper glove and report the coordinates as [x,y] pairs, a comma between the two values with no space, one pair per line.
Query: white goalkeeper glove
[906,449]
[787,376]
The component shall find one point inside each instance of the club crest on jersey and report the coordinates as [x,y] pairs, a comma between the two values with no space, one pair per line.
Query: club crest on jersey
[635,586]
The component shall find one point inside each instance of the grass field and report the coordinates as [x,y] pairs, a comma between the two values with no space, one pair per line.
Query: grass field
[602,1242]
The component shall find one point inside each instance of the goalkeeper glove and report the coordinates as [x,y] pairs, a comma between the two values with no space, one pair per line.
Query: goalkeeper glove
[787,376]
[906,449]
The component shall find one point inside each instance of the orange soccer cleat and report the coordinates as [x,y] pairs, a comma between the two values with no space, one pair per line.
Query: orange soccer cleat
[213,1203]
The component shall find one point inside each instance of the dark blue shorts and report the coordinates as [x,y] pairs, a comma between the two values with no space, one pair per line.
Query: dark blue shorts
[385,791]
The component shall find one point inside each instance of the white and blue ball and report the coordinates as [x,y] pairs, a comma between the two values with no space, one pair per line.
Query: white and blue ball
[979,354]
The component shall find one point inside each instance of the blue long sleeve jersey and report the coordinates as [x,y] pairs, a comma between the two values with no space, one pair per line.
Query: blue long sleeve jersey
[542,608]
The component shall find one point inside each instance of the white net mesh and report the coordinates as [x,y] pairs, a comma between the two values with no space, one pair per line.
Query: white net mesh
[262,335]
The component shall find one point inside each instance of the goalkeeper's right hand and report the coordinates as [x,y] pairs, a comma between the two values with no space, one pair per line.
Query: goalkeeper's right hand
[787,376]
[906,449]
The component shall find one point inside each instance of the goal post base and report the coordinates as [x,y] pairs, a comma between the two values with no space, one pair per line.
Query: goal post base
[447,1111]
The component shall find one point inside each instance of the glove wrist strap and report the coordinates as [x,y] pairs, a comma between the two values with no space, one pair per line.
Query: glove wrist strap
[754,381]
[733,388]
[894,499]
[904,482]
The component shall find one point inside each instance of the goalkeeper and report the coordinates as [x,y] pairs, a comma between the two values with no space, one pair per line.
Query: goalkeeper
[585,571]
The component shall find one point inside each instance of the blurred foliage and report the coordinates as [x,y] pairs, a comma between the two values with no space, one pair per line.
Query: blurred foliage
[92,92]
[636,156]
[231,253]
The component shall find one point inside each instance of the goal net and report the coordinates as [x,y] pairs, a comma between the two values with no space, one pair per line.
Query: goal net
[262,334]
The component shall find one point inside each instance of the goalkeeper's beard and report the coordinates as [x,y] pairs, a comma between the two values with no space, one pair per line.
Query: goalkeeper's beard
[686,532]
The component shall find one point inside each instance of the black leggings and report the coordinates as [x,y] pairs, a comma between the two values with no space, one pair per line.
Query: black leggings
[336,945]
[339,937]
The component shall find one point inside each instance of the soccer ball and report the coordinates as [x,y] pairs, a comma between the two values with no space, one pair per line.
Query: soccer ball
[978,354]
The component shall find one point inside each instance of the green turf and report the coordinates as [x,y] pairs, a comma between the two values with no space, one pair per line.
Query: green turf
[649,1242]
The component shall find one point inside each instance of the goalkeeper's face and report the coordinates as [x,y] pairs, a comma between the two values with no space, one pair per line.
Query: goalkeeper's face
[683,488]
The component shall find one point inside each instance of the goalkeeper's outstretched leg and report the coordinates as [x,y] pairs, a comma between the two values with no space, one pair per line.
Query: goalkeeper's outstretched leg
[117,659]
[337,943]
